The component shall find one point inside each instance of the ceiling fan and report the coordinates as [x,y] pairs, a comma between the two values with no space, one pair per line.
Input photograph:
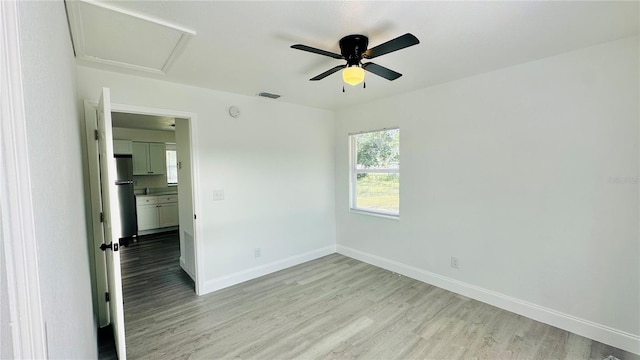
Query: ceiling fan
[353,48]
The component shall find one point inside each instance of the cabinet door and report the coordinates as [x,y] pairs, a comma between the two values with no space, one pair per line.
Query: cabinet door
[157,159]
[147,217]
[122,147]
[140,151]
[168,215]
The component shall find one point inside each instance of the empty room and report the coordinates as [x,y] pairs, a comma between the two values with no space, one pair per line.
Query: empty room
[320,179]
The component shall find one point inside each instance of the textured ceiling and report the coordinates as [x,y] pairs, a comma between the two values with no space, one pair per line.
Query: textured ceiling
[244,47]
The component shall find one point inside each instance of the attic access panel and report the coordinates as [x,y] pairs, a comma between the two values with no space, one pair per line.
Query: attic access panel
[106,34]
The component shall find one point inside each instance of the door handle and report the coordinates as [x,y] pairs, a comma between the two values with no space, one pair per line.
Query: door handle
[110,246]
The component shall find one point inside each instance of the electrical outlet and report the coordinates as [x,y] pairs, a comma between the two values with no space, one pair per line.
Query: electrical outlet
[218,195]
[455,263]
[257,253]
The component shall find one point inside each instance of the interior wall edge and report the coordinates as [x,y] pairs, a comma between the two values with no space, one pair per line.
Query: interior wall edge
[185,268]
[620,339]
[266,269]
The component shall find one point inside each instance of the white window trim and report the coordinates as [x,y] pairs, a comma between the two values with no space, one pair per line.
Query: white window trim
[353,171]
[378,171]
[171,147]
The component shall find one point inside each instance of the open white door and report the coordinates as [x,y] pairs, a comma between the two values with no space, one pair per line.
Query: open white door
[111,221]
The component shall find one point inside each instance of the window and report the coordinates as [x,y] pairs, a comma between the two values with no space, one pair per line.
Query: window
[172,164]
[375,172]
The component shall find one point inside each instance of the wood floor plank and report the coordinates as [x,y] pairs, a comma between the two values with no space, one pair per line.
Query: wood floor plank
[330,308]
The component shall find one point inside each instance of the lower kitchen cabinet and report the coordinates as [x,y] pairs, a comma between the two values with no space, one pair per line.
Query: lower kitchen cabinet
[147,217]
[157,211]
[168,215]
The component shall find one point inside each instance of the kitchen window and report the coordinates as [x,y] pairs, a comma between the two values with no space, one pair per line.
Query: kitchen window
[375,172]
[172,164]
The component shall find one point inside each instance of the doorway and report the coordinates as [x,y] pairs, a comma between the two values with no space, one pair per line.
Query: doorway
[186,202]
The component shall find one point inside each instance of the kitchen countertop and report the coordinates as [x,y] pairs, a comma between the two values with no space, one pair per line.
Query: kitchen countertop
[159,194]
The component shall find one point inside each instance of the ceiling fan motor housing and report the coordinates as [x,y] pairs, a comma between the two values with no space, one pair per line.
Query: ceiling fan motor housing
[352,47]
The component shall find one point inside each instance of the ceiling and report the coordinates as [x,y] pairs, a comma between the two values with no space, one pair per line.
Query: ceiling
[138,121]
[243,47]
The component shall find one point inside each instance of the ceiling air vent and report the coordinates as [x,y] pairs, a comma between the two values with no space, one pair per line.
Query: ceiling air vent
[269,95]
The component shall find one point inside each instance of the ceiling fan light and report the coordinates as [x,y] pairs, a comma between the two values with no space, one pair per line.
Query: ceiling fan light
[353,75]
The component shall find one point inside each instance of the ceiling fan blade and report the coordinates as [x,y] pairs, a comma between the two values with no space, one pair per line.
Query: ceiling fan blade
[381,71]
[398,43]
[316,51]
[328,72]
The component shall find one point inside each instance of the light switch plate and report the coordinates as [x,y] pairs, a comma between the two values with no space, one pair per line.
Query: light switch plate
[218,195]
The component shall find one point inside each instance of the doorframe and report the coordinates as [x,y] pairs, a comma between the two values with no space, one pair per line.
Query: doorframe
[17,220]
[96,202]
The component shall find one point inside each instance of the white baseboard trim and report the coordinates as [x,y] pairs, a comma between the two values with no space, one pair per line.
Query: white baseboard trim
[184,267]
[586,328]
[255,272]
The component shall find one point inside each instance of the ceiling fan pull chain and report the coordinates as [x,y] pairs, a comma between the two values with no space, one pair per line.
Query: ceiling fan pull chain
[342,88]
[364,85]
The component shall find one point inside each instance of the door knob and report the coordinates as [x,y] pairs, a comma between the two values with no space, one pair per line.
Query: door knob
[111,246]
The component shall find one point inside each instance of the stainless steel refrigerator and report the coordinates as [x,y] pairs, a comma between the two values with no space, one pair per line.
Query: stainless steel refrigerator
[126,197]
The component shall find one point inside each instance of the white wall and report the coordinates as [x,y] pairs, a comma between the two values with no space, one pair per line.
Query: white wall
[6,338]
[520,173]
[275,164]
[55,165]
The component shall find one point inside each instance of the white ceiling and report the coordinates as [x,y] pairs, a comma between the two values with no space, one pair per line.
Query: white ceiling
[138,121]
[244,46]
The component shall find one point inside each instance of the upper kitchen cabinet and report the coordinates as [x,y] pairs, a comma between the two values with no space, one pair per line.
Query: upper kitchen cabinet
[148,158]
[122,147]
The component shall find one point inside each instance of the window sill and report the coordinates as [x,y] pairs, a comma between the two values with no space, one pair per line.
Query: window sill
[376,214]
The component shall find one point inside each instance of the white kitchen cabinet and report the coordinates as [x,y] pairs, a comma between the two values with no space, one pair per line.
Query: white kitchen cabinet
[168,215]
[140,158]
[122,147]
[147,217]
[157,158]
[168,210]
[157,211]
[148,158]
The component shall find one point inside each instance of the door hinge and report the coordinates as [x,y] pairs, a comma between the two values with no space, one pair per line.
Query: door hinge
[101,217]
[107,297]
[194,216]
[97,134]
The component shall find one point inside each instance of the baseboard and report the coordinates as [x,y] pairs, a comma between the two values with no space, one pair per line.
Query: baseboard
[252,273]
[620,339]
[184,267]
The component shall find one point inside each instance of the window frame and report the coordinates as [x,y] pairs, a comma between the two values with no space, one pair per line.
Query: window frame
[353,177]
[171,147]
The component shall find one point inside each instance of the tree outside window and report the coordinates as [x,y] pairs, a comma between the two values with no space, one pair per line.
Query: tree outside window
[375,172]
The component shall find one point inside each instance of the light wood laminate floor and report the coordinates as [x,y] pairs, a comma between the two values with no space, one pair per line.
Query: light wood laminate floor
[331,308]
